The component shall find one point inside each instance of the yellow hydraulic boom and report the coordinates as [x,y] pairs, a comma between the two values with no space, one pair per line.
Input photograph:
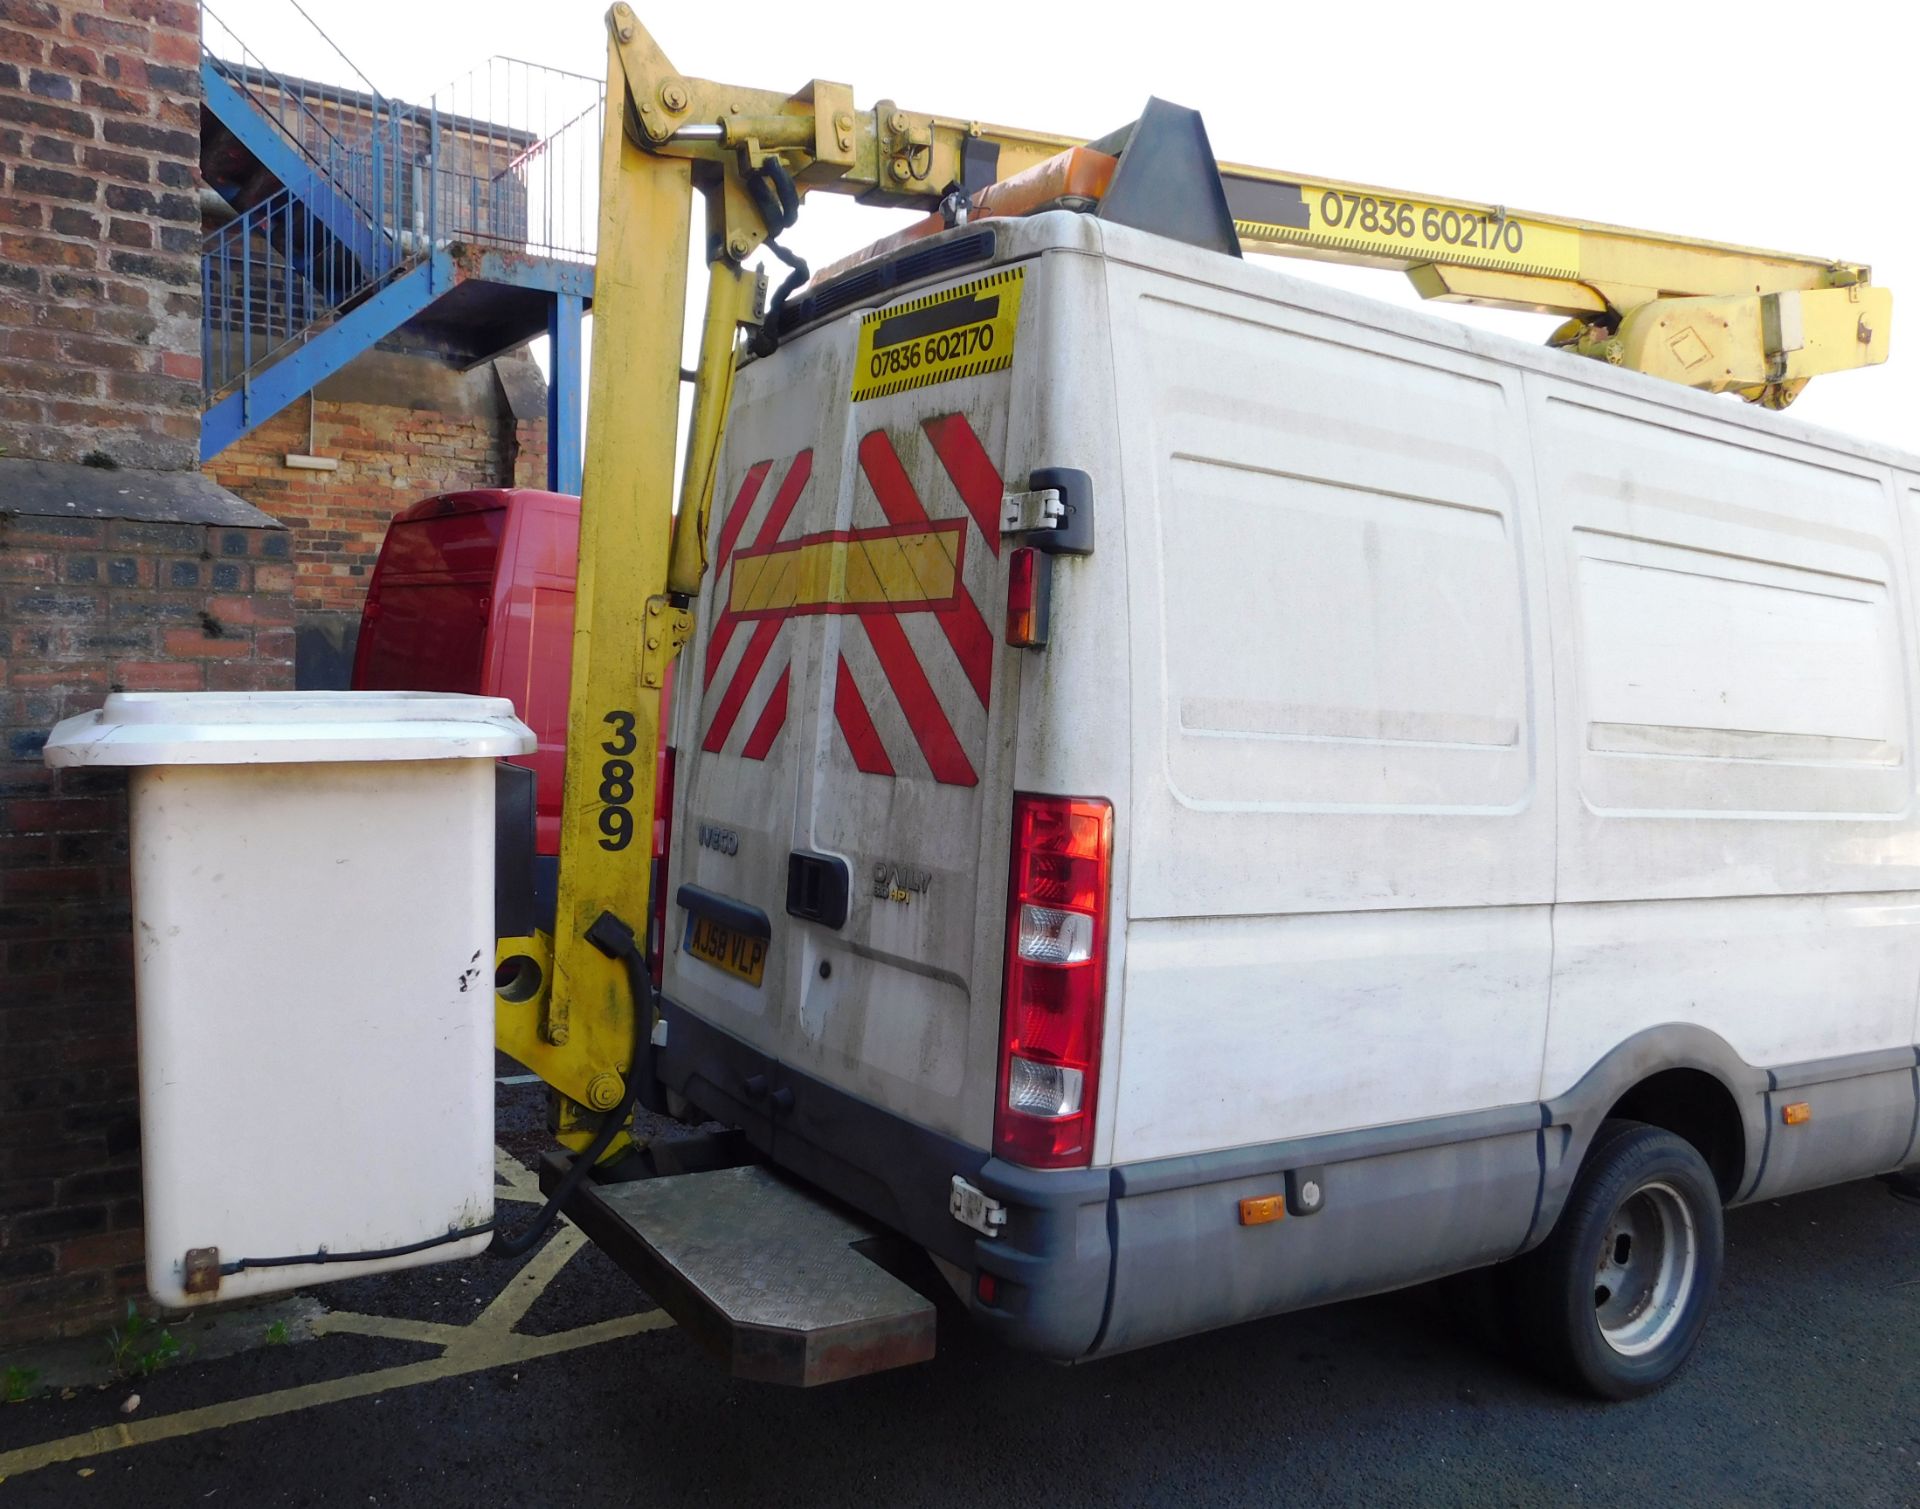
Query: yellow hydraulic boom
[575,1007]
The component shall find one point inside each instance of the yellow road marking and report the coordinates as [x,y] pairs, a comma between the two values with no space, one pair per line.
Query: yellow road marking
[512,1303]
[520,1183]
[487,1341]
[496,1351]
[438,1333]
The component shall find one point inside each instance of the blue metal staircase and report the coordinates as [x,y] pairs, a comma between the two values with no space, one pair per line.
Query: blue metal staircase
[459,230]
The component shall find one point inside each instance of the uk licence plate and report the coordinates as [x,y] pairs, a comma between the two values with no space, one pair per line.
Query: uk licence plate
[723,948]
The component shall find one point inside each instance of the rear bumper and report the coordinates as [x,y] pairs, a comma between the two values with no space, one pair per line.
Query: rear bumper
[1052,1262]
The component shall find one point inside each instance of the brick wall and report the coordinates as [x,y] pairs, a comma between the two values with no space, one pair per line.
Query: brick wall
[100,230]
[123,566]
[388,457]
[529,453]
[91,606]
[399,429]
[120,567]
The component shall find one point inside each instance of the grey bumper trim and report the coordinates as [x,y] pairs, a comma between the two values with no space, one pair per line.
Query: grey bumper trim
[1819,1071]
[1334,1147]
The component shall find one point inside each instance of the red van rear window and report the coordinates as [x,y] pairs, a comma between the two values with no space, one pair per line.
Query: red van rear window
[426,629]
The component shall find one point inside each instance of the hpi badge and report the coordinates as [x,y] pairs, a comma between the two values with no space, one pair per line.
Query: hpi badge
[959,332]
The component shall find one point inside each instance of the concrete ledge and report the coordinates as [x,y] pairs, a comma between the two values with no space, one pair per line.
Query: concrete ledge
[67,489]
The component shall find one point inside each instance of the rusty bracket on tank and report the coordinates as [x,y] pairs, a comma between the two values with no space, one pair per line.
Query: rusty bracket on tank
[200,1273]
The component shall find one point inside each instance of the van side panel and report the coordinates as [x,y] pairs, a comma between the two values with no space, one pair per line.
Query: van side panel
[1343,857]
[1739,841]
[1906,492]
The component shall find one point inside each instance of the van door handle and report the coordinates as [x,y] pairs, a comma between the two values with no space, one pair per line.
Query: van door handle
[818,887]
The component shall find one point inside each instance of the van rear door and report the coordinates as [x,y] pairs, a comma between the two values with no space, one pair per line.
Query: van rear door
[846,742]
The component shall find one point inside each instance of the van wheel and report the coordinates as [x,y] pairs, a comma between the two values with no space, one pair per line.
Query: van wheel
[1618,1295]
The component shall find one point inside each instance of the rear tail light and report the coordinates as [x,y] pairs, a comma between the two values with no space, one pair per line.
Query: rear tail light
[1029,599]
[1057,900]
[662,842]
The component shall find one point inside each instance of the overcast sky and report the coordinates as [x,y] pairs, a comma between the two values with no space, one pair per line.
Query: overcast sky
[1759,124]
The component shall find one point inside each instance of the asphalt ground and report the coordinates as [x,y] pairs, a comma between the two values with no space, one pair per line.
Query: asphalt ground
[434,1390]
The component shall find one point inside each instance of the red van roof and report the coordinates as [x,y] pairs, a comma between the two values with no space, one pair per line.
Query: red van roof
[479,499]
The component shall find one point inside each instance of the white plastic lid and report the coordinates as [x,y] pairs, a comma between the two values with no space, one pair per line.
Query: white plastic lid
[287,728]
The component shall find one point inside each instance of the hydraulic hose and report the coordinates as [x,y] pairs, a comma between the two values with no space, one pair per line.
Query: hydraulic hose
[777,198]
[617,941]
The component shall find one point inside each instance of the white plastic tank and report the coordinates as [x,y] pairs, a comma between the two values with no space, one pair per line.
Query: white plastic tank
[313,947]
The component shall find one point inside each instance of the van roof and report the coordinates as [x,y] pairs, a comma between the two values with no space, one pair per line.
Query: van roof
[964,249]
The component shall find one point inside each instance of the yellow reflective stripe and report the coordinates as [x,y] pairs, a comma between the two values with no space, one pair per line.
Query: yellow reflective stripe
[869,570]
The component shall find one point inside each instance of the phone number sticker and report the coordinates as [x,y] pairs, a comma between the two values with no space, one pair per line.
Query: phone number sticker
[1413,229]
[958,332]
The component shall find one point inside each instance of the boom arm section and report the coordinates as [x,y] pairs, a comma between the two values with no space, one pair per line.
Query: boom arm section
[1774,320]
[1706,315]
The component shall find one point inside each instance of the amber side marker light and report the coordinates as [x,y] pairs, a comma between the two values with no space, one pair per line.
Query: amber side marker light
[1796,1113]
[1261,1209]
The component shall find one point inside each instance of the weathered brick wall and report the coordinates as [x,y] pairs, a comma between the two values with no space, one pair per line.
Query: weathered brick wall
[530,453]
[104,583]
[122,566]
[92,606]
[400,429]
[389,457]
[100,230]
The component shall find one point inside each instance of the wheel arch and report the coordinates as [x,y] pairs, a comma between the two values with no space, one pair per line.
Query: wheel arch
[1696,1106]
[1680,1077]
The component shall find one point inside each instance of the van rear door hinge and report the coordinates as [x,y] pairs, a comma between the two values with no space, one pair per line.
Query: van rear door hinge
[1057,510]
[1021,513]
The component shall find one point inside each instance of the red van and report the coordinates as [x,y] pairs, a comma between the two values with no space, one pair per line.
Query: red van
[473,592]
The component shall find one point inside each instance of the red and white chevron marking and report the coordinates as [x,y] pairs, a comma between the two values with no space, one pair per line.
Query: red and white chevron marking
[911,680]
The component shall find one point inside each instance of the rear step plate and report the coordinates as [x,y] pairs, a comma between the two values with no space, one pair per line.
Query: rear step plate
[763,1273]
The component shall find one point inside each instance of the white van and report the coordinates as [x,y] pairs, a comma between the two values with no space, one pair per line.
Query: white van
[1432,801]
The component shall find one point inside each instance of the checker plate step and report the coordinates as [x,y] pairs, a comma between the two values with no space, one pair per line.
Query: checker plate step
[763,1272]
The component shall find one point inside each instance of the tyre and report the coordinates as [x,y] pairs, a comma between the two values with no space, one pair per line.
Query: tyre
[1614,1301]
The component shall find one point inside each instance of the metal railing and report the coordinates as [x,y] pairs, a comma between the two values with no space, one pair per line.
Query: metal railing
[518,164]
[506,156]
[341,133]
[268,278]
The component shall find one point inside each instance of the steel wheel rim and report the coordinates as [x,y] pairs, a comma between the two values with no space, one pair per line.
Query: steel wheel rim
[1644,1271]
